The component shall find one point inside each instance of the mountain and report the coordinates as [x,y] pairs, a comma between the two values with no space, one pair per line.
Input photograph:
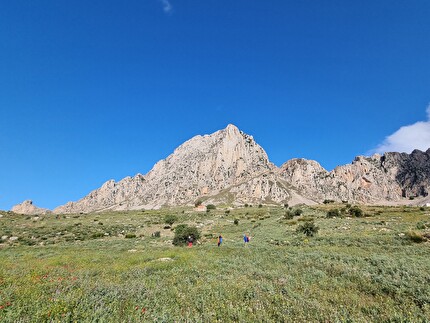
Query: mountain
[201,167]
[229,167]
[27,207]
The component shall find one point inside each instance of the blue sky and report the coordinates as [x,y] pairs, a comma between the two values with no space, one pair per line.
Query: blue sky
[94,90]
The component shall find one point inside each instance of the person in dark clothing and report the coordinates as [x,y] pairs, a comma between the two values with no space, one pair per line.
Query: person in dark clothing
[190,241]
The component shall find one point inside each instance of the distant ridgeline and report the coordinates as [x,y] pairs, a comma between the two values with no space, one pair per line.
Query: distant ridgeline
[229,167]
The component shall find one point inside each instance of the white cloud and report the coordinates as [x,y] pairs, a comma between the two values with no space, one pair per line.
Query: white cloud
[408,138]
[167,7]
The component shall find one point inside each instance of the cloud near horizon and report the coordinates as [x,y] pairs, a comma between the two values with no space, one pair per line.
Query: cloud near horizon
[407,138]
[167,7]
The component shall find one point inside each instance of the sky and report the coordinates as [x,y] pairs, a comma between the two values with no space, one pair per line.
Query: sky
[103,89]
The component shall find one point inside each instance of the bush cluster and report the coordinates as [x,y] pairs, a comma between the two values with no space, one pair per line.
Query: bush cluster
[182,232]
[308,228]
[289,214]
[210,207]
[170,219]
[333,213]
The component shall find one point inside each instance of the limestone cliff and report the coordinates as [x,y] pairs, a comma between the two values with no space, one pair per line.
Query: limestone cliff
[202,166]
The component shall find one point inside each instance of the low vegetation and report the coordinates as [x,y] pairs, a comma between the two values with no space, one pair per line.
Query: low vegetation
[128,267]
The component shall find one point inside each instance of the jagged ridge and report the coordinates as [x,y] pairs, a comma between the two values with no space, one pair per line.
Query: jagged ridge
[228,166]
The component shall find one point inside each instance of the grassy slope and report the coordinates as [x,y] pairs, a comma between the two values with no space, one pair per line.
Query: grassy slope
[356,269]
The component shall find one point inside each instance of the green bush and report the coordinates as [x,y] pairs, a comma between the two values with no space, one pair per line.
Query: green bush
[333,213]
[236,221]
[414,237]
[130,235]
[182,232]
[328,201]
[210,207]
[308,228]
[298,212]
[156,234]
[355,211]
[170,219]
[288,215]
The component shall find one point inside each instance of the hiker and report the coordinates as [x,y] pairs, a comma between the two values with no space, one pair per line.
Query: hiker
[190,241]
[245,238]
[219,240]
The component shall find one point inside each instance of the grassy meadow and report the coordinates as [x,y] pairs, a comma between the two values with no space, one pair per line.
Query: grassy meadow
[123,267]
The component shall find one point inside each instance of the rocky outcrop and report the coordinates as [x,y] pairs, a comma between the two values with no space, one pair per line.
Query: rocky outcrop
[27,207]
[411,171]
[229,167]
[388,178]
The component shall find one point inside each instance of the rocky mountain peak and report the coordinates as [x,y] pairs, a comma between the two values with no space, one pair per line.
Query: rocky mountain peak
[27,207]
[201,166]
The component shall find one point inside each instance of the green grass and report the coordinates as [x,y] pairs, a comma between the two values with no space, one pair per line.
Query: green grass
[73,268]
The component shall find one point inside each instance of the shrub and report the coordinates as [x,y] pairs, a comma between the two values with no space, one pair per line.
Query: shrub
[288,215]
[333,213]
[356,212]
[156,234]
[236,221]
[210,207]
[328,201]
[260,205]
[298,212]
[97,235]
[182,232]
[130,235]
[170,219]
[308,228]
[198,202]
[286,205]
[227,211]
[414,237]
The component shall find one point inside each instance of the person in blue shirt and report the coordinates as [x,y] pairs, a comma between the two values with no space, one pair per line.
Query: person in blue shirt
[245,238]
[219,240]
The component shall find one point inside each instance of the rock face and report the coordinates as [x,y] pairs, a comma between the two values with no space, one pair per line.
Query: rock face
[229,167]
[201,167]
[27,207]
[376,179]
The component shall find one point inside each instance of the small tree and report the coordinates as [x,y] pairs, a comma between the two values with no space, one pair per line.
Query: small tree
[182,232]
[170,219]
[308,228]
